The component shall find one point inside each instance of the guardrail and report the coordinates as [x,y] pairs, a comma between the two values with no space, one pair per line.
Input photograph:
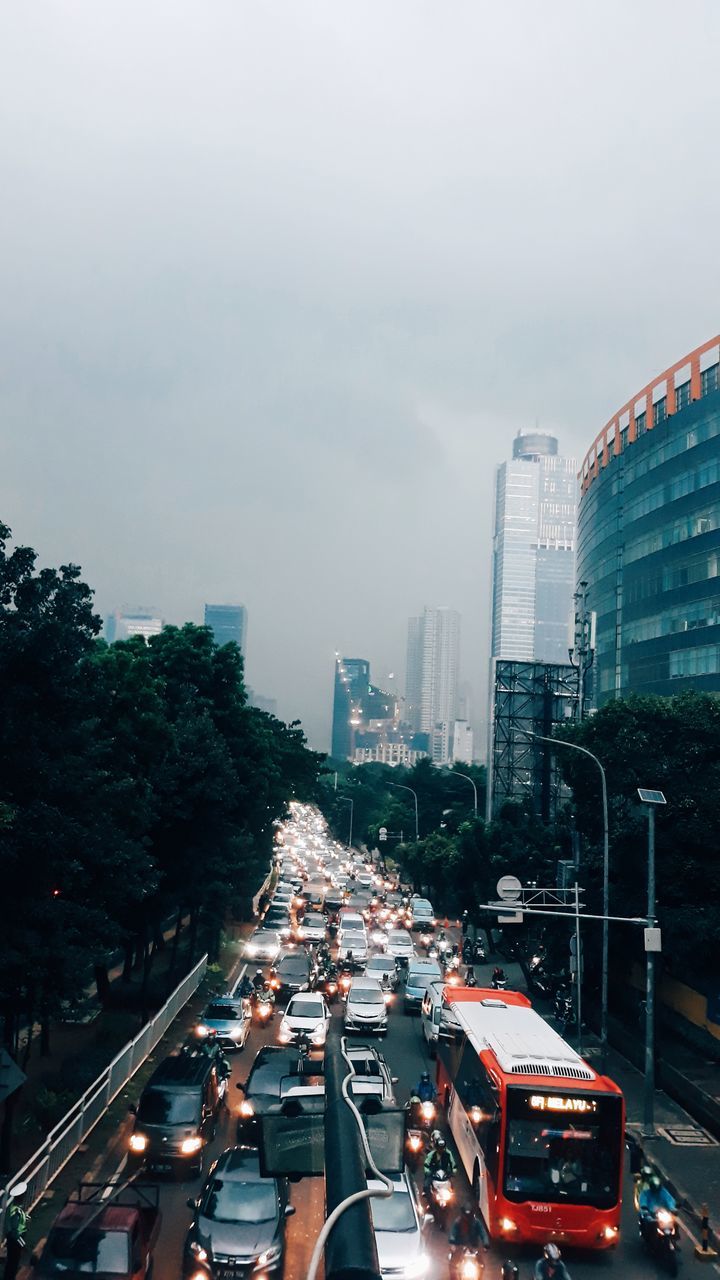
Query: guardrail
[63,1141]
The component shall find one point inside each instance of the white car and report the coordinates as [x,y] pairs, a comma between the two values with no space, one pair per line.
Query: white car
[312,928]
[264,944]
[350,920]
[365,1008]
[355,942]
[306,1015]
[400,945]
[398,1223]
[384,969]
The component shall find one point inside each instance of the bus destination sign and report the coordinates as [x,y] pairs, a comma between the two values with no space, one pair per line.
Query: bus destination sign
[557,1104]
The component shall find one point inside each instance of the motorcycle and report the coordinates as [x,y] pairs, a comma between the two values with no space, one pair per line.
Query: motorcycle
[344,983]
[499,983]
[414,1148]
[479,955]
[264,1011]
[441,1196]
[659,1233]
[426,940]
[465,1263]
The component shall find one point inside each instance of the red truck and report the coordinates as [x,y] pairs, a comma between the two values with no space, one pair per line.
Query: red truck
[103,1230]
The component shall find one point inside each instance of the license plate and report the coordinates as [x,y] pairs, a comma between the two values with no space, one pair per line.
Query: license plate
[161,1166]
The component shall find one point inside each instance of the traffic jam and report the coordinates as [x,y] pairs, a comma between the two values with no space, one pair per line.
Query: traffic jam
[513,1143]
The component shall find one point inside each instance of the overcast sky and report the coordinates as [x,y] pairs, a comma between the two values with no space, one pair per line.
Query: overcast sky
[280,281]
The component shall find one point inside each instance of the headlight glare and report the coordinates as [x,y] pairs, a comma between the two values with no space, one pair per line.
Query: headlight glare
[190,1145]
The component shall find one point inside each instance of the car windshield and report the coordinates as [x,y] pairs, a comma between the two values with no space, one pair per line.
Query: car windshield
[293,964]
[92,1252]
[220,1013]
[266,1079]
[266,939]
[379,963]
[563,1148]
[168,1106]
[314,922]
[353,940]
[304,1009]
[366,995]
[394,1213]
[420,980]
[231,1201]
[400,940]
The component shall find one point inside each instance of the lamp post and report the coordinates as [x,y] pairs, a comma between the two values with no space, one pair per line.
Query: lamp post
[559,742]
[650,799]
[351,802]
[400,786]
[455,773]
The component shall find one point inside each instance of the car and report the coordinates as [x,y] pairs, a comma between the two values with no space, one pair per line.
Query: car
[419,976]
[423,916]
[230,1017]
[263,944]
[384,969]
[364,879]
[351,920]
[355,943]
[177,1115]
[239,1218]
[370,1073]
[278,920]
[365,1007]
[399,1230]
[306,1017]
[439,1019]
[400,945]
[313,928]
[293,973]
[274,1072]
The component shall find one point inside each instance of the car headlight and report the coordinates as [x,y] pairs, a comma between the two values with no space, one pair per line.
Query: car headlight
[318,1034]
[138,1142]
[417,1267]
[197,1251]
[201,1030]
[246,1109]
[251,949]
[270,1255]
[236,1033]
[190,1145]
[284,1034]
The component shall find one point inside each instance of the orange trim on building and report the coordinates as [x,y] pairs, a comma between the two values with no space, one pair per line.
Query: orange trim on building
[601,450]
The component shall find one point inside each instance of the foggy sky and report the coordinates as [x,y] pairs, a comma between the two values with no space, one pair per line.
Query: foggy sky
[281,281]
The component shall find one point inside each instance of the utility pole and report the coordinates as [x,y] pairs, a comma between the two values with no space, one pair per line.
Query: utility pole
[582,643]
[652,945]
[400,786]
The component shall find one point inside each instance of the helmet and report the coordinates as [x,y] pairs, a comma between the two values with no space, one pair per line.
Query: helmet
[655,1182]
[646,1172]
[435,1137]
[441,1144]
[425,1077]
[18,1190]
[258,973]
[467,1211]
[552,1253]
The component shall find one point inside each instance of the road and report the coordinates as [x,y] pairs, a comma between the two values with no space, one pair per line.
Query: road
[405,1051]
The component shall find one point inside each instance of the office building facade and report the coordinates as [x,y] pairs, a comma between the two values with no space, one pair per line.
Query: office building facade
[462,744]
[433,659]
[122,626]
[227,622]
[533,551]
[350,695]
[649,535]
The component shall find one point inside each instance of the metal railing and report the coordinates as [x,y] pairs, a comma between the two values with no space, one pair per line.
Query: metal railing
[63,1141]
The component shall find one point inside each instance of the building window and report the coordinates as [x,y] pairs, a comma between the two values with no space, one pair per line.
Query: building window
[682,396]
[641,424]
[660,411]
[709,379]
[623,439]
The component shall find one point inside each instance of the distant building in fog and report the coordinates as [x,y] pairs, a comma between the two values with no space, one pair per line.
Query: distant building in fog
[462,747]
[262,703]
[433,657]
[121,626]
[227,622]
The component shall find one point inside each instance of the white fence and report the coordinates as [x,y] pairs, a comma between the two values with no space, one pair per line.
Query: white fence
[63,1141]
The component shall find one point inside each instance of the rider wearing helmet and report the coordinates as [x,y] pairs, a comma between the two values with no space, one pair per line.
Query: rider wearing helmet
[468,1231]
[470,979]
[551,1265]
[425,1089]
[642,1181]
[259,980]
[438,1158]
[653,1197]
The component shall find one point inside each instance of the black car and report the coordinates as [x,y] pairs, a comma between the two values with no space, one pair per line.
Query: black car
[238,1227]
[293,972]
[177,1115]
[273,1075]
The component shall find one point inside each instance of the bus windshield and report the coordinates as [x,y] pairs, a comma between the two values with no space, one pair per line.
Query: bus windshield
[563,1147]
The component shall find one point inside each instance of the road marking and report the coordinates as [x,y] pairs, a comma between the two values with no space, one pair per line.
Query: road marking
[112,1181]
[239,979]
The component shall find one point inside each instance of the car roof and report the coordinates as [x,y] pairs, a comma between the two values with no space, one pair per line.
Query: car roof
[230,1001]
[185,1070]
[238,1164]
[362,981]
[422,965]
[315,996]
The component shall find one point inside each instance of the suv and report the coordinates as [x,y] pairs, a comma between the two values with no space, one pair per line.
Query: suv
[275,1074]
[177,1115]
[423,916]
[238,1216]
[293,973]
[420,974]
[229,1017]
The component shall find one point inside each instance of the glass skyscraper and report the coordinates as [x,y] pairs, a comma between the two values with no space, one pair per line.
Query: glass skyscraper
[227,622]
[350,697]
[433,659]
[534,551]
[649,535]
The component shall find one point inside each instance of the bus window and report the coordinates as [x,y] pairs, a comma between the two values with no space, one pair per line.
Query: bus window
[562,1148]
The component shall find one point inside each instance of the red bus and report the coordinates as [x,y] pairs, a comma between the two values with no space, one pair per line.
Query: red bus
[540,1134]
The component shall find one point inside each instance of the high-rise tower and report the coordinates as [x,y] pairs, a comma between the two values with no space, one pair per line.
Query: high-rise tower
[433,658]
[533,551]
[227,622]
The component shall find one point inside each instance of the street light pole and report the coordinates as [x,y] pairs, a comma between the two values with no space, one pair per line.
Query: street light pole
[400,786]
[351,802]
[650,799]
[560,742]
[455,773]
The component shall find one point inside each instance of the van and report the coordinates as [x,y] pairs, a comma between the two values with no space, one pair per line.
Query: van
[437,1018]
[176,1116]
[420,974]
[423,916]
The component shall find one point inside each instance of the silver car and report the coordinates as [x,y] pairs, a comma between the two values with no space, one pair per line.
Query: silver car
[365,1008]
[398,1224]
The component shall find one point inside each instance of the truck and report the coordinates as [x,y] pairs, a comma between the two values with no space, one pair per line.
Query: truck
[105,1229]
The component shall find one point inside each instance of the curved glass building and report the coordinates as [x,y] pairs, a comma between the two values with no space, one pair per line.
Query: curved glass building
[649,535]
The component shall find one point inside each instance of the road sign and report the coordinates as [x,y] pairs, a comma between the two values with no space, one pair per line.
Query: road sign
[509,888]
[383,833]
[651,797]
[515,918]
[653,940]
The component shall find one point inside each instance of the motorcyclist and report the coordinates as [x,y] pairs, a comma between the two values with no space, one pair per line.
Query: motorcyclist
[425,1089]
[468,1231]
[653,1197]
[470,979]
[498,977]
[465,922]
[551,1265]
[467,951]
[438,1159]
[258,981]
[246,987]
[642,1181]
[267,994]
